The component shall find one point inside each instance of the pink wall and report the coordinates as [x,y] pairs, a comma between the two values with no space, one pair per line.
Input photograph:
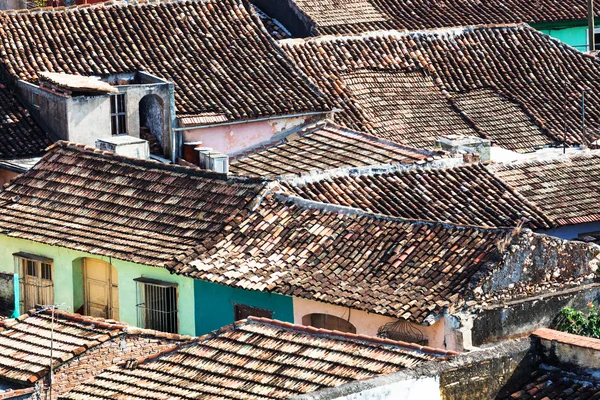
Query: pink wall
[366,323]
[231,139]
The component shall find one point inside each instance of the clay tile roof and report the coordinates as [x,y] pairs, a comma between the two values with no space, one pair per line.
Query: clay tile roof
[354,16]
[321,147]
[257,359]
[467,194]
[216,52]
[131,209]
[25,341]
[384,265]
[554,384]
[20,135]
[412,87]
[565,188]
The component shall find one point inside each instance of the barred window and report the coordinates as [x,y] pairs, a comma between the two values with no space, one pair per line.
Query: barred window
[118,115]
[157,305]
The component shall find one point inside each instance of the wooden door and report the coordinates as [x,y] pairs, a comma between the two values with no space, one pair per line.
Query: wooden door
[101,289]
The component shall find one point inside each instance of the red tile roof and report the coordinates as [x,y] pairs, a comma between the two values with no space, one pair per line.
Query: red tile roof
[467,194]
[20,135]
[131,209]
[257,359]
[404,269]
[386,83]
[354,16]
[554,384]
[25,342]
[320,147]
[216,52]
[565,188]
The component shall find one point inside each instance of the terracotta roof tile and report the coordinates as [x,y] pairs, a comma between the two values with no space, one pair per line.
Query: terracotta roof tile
[131,209]
[466,194]
[565,188]
[354,16]
[20,135]
[321,147]
[218,54]
[406,86]
[384,265]
[256,359]
[25,341]
[555,385]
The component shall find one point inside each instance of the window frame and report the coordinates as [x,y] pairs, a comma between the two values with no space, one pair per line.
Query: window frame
[159,318]
[118,117]
[34,285]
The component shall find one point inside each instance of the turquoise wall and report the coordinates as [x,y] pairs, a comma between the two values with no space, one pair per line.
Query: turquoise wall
[68,279]
[573,36]
[214,305]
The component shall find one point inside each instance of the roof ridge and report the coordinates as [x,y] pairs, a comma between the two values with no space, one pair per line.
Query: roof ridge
[552,158]
[105,4]
[452,30]
[353,211]
[349,336]
[195,171]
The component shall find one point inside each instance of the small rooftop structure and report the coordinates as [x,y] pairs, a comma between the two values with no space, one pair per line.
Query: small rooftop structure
[465,144]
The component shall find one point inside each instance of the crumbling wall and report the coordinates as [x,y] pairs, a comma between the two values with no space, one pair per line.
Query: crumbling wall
[533,263]
[7,294]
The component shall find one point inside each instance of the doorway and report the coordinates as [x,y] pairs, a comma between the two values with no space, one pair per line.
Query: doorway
[101,289]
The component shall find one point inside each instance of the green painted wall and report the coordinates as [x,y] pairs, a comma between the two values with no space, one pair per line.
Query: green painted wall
[214,305]
[68,280]
[575,36]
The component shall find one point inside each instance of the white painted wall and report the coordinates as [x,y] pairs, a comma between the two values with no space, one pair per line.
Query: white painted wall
[427,388]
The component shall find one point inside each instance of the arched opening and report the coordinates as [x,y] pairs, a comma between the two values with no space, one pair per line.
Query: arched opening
[326,321]
[100,289]
[151,122]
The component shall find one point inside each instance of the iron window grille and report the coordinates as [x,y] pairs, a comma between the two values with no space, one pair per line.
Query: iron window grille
[157,305]
[118,115]
[36,280]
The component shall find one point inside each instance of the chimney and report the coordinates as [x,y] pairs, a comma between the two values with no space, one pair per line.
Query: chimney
[458,144]
[212,160]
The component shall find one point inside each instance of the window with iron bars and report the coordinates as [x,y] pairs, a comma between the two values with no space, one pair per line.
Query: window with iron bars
[118,115]
[157,305]
[35,280]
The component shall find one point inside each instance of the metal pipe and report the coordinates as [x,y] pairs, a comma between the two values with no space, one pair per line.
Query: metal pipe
[591,39]
[189,128]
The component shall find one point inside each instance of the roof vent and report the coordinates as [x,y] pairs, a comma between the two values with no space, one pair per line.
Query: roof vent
[458,144]
[125,145]
[212,160]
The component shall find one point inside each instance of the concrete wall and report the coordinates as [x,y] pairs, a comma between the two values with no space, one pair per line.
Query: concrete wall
[13,4]
[215,305]
[68,280]
[366,323]
[84,119]
[231,139]
[522,317]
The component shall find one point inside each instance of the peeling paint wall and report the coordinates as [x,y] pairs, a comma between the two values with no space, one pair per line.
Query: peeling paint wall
[7,294]
[231,139]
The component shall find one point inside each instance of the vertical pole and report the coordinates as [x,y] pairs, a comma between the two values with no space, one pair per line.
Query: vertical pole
[591,43]
[583,114]
[51,350]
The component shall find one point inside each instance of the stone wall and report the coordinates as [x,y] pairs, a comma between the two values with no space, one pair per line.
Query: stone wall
[521,317]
